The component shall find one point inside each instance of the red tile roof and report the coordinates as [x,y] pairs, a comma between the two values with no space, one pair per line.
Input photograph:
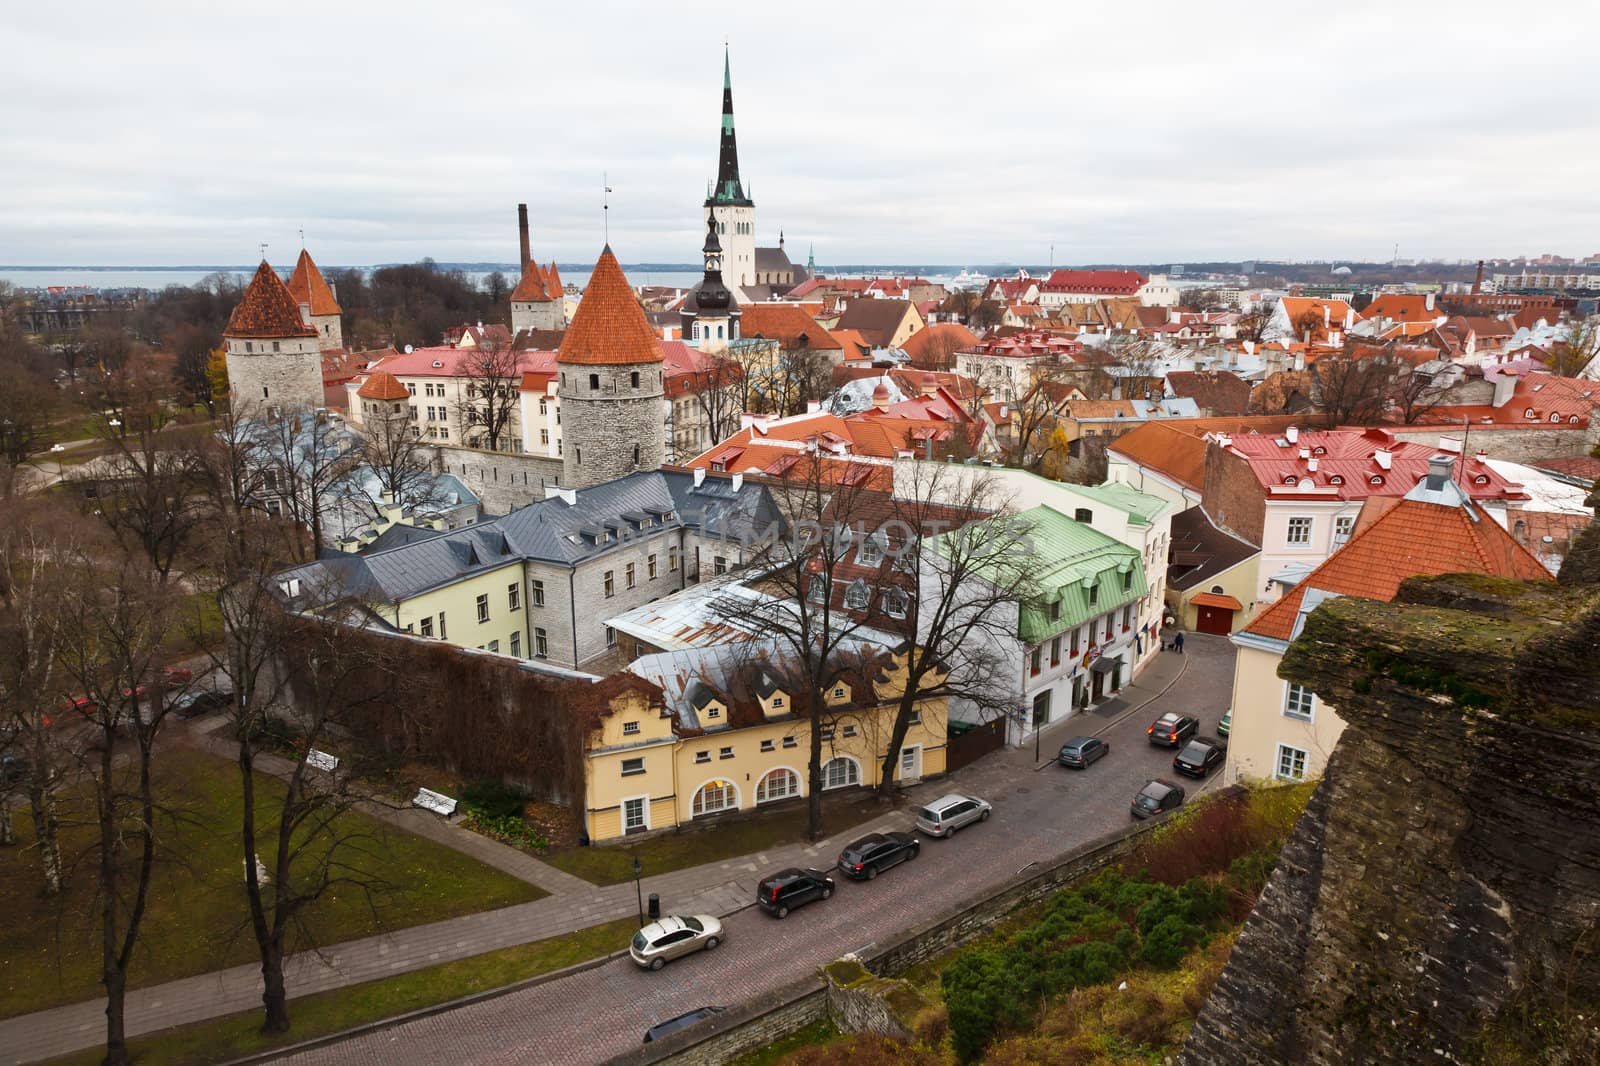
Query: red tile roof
[609,327]
[267,309]
[531,287]
[1401,307]
[1160,447]
[1100,282]
[787,324]
[1539,400]
[307,286]
[1413,538]
[1351,465]
[383,386]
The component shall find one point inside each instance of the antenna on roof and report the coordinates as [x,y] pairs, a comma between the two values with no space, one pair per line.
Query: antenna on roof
[605,201]
[263,250]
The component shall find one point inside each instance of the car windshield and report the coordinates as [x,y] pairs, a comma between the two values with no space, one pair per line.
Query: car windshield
[694,923]
[639,942]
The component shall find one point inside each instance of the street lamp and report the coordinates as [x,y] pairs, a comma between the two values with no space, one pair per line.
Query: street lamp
[638,868]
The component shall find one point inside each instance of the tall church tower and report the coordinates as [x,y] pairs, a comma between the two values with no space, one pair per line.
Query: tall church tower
[613,421]
[715,320]
[274,355]
[727,201]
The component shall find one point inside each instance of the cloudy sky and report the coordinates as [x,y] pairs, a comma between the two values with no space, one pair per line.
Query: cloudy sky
[166,133]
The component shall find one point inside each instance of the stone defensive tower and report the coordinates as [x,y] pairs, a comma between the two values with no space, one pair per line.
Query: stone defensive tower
[536,302]
[611,385]
[274,355]
[318,307]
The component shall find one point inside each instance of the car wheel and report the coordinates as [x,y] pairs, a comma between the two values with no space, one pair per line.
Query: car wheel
[827,892]
[711,945]
[948,833]
[913,852]
[783,912]
[872,871]
[984,817]
[657,962]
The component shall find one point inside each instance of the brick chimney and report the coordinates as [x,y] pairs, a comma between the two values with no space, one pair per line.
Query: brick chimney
[1477,282]
[522,234]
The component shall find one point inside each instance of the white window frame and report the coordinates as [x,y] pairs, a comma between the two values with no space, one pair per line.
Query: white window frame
[639,759]
[1289,752]
[857,596]
[1341,536]
[631,728]
[697,808]
[910,760]
[761,786]
[1300,523]
[538,592]
[483,608]
[1294,698]
[851,779]
[644,809]
[896,602]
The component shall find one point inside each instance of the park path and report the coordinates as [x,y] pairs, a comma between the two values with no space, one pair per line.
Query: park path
[719,888]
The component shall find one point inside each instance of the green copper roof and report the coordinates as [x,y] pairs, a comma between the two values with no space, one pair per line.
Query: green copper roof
[1140,507]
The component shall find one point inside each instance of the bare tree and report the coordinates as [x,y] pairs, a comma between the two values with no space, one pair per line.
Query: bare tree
[717,395]
[1352,390]
[310,460]
[1413,392]
[489,400]
[27,404]
[116,622]
[1576,354]
[394,452]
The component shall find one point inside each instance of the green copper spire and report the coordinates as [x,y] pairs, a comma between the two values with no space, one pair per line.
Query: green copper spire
[728,190]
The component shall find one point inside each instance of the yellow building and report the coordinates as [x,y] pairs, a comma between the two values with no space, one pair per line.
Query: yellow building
[713,731]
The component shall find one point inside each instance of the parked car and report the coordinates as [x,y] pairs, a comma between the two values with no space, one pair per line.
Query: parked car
[1200,758]
[673,937]
[682,1021]
[1081,751]
[176,676]
[864,859]
[1171,730]
[13,768]
[1225,725]
[1157,797]
[945,815]
[782,892]
[196,702]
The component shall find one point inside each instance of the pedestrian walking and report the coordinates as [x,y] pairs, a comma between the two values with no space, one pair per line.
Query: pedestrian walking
[1177,643]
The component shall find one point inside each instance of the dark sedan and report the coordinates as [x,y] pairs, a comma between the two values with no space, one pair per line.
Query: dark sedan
[782,892]
[1157,797]
[1171,730]
[863,859]
[1200,758]
[1079,752]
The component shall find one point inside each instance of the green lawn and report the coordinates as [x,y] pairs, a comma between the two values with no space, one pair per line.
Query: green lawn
[196,919]
[332,1012]
[612,864]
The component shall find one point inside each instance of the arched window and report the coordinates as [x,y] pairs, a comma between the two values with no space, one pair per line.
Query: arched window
[1555,417]
[841,771]
[715,796]
[779,784]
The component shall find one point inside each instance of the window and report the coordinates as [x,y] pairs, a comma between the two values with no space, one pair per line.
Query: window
[633,379]
[817,591]
[849,730]
[857,596]
[630,767]
[724,753]
[1127,616]
[1127,580]
[767,745]
[715,796]
[594,382]
[1297,701]
[1084,515]
[1041,709]
[611,583]
[1342,527]
[1094,594]
[611,637]
[627,574]
[871,551]
[494,646]
[514,596]
[630,729]
[1299,531]
[719,564]
[702,756]
[634,818]
[1055,610]
[541,644]
[840,772]
[1111,625]
[1055,651]
[896,602]
[779,784]
[427,626]
[516,645]
[483,608]
[777,701]
[790,742]
[713,712]
[544,405]
[1074,650]
[1035,660]
[442,633]
[650,567]
[1291,764]
[672,554]
[538,593]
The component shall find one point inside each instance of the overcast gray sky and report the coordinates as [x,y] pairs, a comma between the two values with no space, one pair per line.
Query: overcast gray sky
[168,133]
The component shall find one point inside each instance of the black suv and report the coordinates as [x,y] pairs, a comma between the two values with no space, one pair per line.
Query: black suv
[1171,730]
[782,892]
[1157,797]
[1200,758]
[877,851]
[1081,751]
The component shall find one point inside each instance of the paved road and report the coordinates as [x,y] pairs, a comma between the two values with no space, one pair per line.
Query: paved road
[1039,814]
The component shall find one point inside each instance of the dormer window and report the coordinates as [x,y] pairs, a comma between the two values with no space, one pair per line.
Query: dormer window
[857,596]
[1375,479]
[777,702]
[1481,479]
[1555,417]
[1336,479]
[1530,416]
[838,692]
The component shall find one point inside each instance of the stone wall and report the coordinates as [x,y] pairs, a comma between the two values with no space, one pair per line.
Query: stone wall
[504,481]
[288,379]
[1232,496]
[1446,874]
[1515,444]
[739,1031]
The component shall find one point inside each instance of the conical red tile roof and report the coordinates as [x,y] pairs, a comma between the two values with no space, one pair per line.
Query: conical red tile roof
[383,386]
[531,288]
[267,309]
[609,327]
[552,281]
[307,286]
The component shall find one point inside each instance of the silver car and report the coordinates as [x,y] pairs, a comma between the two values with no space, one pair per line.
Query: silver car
[945,815]
[674,936]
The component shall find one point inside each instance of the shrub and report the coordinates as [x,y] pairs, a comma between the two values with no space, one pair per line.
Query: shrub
[508,829]
[981,1001]
[493,799]
[1169,940]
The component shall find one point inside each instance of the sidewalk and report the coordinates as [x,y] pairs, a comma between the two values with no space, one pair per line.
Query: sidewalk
[1158,677]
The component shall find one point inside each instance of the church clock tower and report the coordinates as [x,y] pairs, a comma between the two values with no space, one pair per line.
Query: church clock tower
[728,201]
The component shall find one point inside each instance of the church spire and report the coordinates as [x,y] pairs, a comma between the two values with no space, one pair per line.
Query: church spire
[728,189]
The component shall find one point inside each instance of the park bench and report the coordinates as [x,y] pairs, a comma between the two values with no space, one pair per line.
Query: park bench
[436,802]
[321,760]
